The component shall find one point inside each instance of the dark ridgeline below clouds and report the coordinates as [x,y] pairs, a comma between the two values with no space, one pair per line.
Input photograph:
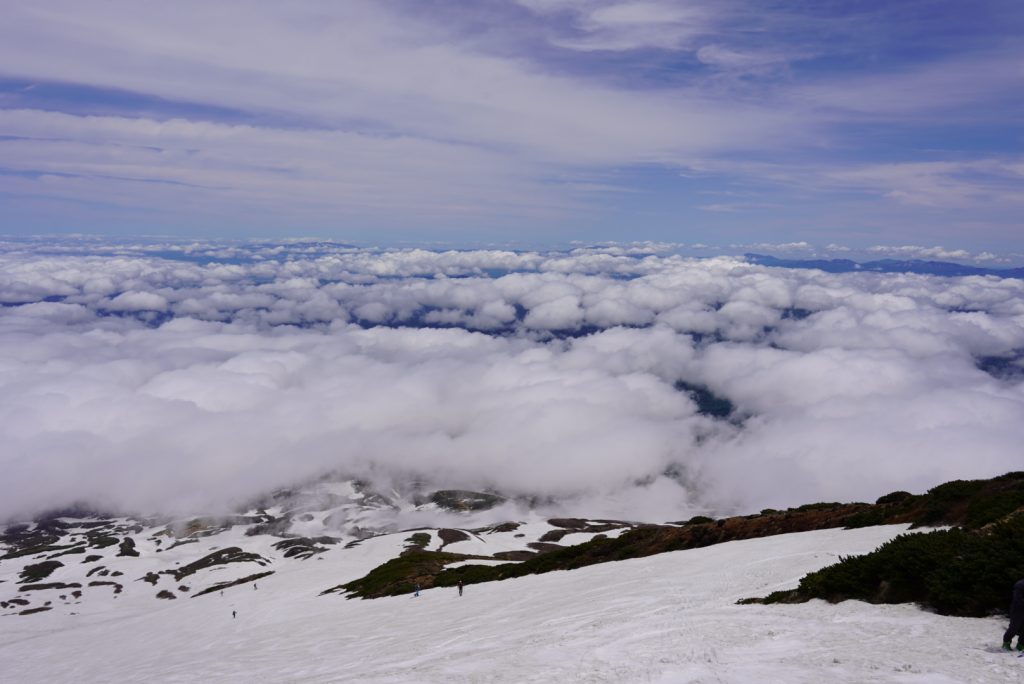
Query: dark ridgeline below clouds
[191,384]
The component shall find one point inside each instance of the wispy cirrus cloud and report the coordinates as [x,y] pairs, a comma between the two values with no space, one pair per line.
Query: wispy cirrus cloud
[624,26]
[940,184]
[440,118]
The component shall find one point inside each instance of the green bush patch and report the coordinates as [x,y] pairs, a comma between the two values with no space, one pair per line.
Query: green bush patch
[894,497]
[400,575]
[418,540]
[953,572]
[983,505]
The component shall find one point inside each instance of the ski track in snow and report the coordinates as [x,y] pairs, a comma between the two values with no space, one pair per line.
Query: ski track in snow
[665,619]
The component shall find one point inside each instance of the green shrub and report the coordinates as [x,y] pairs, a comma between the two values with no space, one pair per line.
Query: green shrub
[954,572]
[400,575]
[986,509]
[894,497]
[820,506]
[867,518]
[699,520]
[941,502]
[418,540]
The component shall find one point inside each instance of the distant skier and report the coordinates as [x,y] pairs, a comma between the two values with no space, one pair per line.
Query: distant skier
[460,587]
[416,592]
[232,615]
[1016,627]
[254,586]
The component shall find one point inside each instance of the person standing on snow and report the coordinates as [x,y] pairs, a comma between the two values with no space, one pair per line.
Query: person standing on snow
[417,591]
[1016,627]
[460,587]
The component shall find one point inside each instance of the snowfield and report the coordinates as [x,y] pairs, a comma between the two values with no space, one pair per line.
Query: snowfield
[668,618]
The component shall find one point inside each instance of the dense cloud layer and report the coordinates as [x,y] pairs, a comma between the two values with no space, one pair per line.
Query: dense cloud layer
[185,384]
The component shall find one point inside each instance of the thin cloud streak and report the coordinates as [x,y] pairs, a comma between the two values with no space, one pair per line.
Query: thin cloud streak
[551,117]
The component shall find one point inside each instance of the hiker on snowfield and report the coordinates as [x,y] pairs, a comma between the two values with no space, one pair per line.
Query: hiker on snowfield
[417,592]
[1016,627]
[460,587]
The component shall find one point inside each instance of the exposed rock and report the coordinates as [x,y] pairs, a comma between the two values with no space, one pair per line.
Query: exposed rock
[23,540]
[39,571]
[127,548]
[463,500]
[101,583]
[568,523]
[449,536]
[574,525]
[513,555]
[51,585]
[232,554]
[299,547]
[224,585]
[277,528]
[101,540]
[418,541]
[555,535]
[545,547]
[29,611]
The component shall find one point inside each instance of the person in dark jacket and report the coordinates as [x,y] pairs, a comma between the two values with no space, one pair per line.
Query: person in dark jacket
[1016,627]
[460,587]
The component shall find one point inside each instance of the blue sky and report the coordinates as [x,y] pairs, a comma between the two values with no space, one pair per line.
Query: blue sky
[858,124]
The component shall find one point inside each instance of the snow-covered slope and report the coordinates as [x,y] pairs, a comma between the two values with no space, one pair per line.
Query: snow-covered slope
[665,618]
[83,565]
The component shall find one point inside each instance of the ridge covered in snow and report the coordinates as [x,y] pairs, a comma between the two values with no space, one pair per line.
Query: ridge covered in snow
[71,564]
[666,618]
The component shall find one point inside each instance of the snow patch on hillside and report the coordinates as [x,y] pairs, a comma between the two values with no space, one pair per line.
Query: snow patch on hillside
[666,618]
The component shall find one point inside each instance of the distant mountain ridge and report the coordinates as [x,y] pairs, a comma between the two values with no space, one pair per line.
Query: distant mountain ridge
[922,267]
[76,562]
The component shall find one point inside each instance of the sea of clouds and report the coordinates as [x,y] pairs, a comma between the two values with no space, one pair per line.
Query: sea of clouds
[185,378]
